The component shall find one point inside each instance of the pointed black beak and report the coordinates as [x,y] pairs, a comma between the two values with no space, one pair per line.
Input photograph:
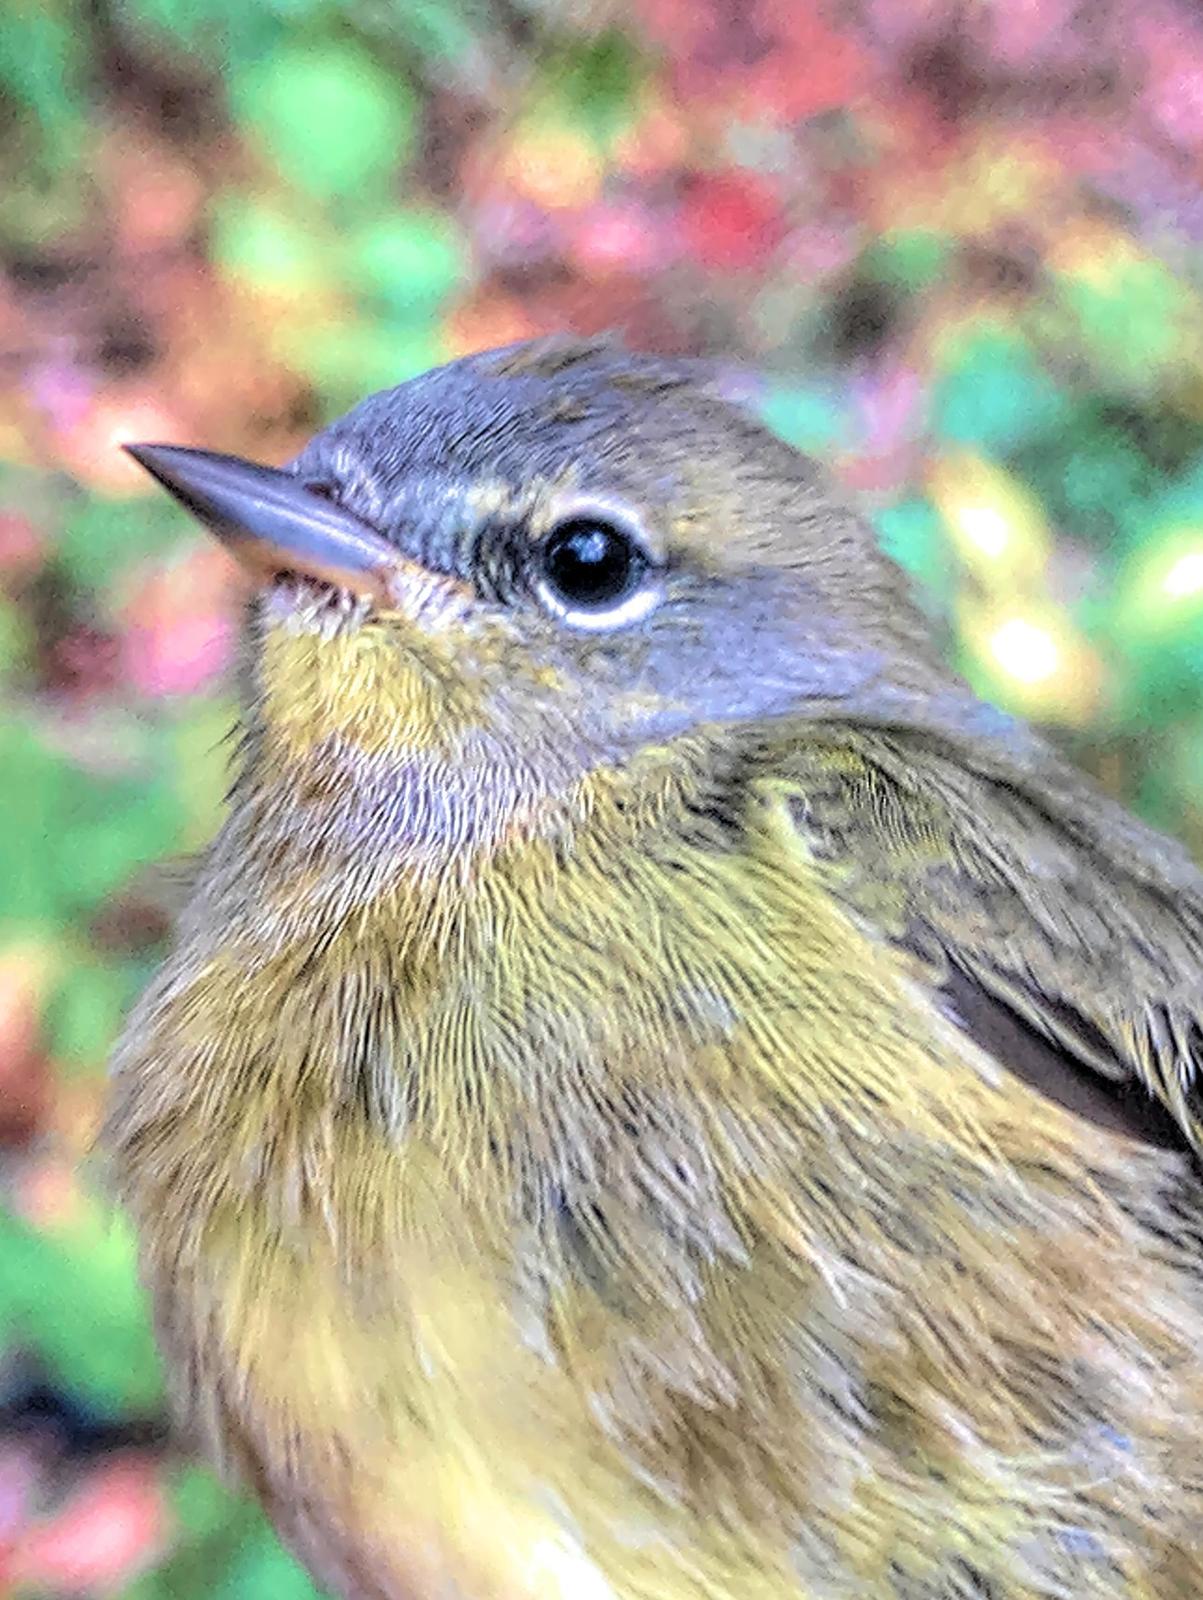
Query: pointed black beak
[270,521]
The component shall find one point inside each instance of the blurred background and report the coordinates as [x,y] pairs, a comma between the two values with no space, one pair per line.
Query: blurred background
[955,247]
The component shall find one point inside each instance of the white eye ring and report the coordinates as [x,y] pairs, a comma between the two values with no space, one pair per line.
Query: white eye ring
[633,607]
[593,570]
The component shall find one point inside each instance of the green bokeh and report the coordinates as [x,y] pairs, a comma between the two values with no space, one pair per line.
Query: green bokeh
[334,120]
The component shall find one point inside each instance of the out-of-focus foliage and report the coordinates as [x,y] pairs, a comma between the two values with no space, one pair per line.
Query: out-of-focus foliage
[960,245]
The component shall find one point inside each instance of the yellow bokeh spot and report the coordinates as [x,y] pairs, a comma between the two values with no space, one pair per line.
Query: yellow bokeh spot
[996,525]
[1032,659]
[1163,584]
[1025,651]
[986,528]
[556,166]
[1184,580]
[1094,253]
[999,178]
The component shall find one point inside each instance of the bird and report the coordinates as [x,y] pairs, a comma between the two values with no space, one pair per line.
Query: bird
[658,1091]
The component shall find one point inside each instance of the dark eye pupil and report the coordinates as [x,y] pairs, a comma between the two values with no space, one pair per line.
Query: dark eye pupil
[591,563]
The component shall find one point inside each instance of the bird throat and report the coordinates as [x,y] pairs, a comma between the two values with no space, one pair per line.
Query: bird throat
[355,684]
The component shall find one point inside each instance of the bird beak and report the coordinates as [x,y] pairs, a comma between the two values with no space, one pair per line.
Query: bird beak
[270,521]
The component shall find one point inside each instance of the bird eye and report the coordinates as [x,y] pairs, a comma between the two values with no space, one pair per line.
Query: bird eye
[594,573]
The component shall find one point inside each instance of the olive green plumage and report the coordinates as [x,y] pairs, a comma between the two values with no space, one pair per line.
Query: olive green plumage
[678,1101]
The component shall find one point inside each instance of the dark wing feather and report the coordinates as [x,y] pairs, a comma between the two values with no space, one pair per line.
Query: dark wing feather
[1062,935]
[1007,1033]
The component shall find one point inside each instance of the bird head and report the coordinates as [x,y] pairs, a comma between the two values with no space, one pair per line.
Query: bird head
[483,587]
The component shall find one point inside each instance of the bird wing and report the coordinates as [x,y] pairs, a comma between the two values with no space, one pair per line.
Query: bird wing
[1061,934]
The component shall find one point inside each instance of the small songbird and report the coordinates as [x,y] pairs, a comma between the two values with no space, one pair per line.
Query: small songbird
[658,1092]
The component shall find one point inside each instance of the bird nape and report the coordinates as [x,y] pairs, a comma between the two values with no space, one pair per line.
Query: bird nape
[658,1091]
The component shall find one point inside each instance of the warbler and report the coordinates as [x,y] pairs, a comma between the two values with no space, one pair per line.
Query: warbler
[659,1093]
